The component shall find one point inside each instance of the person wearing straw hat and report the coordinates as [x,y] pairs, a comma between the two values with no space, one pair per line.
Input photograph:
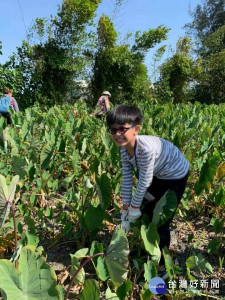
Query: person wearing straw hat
[102,105]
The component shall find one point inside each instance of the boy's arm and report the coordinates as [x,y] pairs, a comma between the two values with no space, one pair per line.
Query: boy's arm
[127,183]
[145,179]
[146,168]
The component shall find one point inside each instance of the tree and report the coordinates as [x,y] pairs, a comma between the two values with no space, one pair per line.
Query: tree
[210,87]
[55,55]
[175,73]
[120,68]
[207,19]
[208,29]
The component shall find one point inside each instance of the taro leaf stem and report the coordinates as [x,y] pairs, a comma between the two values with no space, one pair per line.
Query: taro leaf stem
[15,231]
[78,270]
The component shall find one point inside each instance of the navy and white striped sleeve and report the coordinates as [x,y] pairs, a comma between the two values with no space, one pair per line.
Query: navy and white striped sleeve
[127,183]
[146,162]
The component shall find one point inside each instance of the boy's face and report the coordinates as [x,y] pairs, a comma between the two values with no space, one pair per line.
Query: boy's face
[124,135]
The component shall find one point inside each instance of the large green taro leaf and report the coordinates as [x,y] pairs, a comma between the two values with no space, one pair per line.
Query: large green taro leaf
[94,217]
[150,271]
[7,193]
[46,155]
[116,258]
[207,173]
[104,191]
[34,279]
[91,290]
[150,237]
[164,208]
[19,166]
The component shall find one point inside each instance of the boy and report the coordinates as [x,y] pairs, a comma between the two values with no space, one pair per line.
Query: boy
[160,167]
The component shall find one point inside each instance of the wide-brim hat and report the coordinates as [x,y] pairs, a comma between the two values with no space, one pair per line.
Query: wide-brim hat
[106,93]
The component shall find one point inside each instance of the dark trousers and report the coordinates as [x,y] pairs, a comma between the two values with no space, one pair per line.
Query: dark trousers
[158,189]
[7,117]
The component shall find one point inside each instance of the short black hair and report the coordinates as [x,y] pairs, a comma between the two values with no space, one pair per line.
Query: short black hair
[123,114]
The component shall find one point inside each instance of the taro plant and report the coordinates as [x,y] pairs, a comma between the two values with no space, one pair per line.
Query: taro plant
[33,279]
[16,281]
[7,192]
[70,179]
[111,266]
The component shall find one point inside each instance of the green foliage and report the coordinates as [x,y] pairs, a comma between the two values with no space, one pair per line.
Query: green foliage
[94,217]
[215,42]
[34,278]
[116,258]
[150,238]
[107,35]
[104,191]
[207,173]
[69,193]
[150,271]
[124,289]
[210,85]
[207,18]
[208,28]
[53,66]
[171,268]
[120,68]
[214,245]
[75,264]
[184,46]
[198,264]
[110,296]
[148,39]
[164,209]
[46,155]
[90,291]
[7,192]
[19,166]
[45,69]
[176,73]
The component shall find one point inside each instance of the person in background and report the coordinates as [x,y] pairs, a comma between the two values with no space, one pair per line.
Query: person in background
[6,102]
[158,165]
[103,104]
[15,106]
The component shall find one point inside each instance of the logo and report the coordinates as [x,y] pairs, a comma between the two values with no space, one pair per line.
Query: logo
[157,286]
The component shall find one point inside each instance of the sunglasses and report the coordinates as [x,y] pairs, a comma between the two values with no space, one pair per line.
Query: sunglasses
[120,130]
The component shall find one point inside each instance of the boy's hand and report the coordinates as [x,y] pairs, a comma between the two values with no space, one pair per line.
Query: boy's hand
[124,214]
[125,226]
[130,216]
[133,214]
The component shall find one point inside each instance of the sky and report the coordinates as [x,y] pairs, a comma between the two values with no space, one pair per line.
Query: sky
[17,16]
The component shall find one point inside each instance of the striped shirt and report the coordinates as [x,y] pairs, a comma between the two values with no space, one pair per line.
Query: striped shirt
[153,157]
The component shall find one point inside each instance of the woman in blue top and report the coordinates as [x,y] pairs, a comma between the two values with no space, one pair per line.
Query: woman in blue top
[13,104]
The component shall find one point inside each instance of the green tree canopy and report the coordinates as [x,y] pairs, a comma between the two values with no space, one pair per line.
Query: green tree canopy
[55,55]
[208,29]
[207,19]
[175,73]
[120,68]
